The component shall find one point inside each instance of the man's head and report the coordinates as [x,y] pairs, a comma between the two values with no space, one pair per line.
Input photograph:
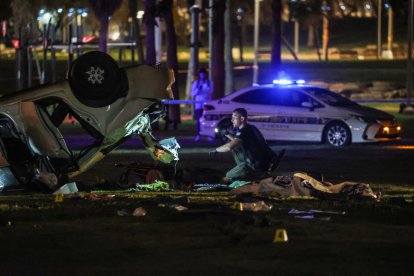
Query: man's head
[203,74]
[239,117]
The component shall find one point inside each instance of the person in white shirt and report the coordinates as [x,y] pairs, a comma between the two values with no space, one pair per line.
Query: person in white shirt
[201,91]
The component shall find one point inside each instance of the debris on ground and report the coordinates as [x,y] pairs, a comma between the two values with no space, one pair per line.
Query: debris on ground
[211,187]
[139,212]
[68,188]
[313,211]
[253,206]
[157,186]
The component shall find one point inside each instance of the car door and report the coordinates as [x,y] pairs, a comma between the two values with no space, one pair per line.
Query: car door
[297,119]
[259,107]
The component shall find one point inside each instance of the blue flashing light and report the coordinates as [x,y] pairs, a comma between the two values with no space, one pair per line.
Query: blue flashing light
[287,82]
[282,82]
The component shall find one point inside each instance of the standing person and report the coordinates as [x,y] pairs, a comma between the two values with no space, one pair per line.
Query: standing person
[254,158]
[201,91]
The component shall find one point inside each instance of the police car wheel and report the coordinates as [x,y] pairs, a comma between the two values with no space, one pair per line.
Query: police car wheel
[96,80]
[337,134]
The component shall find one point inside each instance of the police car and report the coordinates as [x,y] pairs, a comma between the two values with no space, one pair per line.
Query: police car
[293,111]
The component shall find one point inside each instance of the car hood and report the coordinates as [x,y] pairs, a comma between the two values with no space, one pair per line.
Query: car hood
[368,112]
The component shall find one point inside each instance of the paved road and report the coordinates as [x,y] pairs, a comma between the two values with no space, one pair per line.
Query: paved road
[379,163]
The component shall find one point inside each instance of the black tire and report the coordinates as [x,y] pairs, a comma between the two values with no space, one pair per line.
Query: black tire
[96,80]
[337,134]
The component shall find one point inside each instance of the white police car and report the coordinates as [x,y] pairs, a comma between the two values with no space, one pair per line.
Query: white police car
[293,111]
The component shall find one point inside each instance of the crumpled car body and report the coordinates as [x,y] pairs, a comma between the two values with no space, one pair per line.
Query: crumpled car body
[109,103]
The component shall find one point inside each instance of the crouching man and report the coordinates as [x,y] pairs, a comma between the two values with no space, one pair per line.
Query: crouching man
[253,156]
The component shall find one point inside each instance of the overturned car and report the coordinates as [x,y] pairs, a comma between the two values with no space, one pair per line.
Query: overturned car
[110,104]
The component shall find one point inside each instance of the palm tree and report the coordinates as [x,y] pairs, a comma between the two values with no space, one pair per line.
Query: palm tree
[22,15]
[103,9]
[276,59]
[132,7]
[229,86]
[149,21]
[218,73]
[165,9]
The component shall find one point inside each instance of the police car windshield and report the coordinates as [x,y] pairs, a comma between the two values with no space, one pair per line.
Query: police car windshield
[329,97]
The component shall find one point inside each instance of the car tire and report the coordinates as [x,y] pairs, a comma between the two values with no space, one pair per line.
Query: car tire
[96,80]
[337,134]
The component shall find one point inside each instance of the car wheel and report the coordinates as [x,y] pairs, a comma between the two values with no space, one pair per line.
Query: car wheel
[153,175]
[223,127]
[96,80]
[337,134]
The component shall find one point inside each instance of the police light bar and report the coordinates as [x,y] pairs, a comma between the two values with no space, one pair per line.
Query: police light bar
[287,82]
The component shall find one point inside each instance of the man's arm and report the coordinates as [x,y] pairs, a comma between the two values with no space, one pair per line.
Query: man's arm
[235,142]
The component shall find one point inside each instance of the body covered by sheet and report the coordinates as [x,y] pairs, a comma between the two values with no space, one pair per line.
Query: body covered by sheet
[301,184]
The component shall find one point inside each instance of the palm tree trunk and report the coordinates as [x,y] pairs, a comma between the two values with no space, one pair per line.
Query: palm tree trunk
[229,86]
[132,5]
[172,60]
[311,35]
[276,60]
[325,37]
[219,7]
[149,19]
[103,33]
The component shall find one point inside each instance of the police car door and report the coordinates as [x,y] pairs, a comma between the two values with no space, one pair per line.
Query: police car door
[296,121]
[261,111]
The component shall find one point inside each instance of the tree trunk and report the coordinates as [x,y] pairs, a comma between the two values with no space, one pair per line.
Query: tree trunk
[276,60]
[218,72]
[172,60]
[103,33]
[229,85]
[325,37]
[149,19]
[311,35]
[132,4]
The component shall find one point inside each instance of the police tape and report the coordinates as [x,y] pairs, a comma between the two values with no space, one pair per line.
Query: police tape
[382,101]
[182,102]
[357,101]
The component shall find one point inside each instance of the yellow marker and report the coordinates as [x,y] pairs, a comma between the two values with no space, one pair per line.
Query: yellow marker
[237,206]
[280,236]
[59,198]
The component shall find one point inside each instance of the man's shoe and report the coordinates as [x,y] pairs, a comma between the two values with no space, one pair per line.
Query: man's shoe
[275,162]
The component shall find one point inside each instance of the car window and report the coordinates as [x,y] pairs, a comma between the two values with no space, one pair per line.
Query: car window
[291,97]
[273,96]
[256,96]
[329,97]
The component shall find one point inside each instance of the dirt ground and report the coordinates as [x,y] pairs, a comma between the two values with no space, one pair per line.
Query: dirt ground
[96,235]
